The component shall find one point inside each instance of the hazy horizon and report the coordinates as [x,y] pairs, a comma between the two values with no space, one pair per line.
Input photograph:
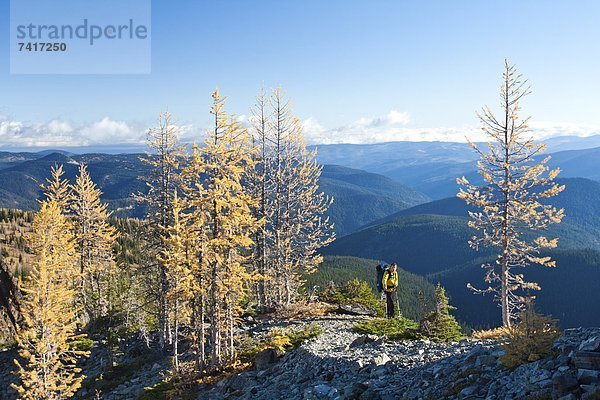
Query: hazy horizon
[555,144]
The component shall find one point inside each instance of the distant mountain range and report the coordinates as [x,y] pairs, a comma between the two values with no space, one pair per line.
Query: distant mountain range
[432,167]
[359,197]
[394,202]
[385,156]
[117,176]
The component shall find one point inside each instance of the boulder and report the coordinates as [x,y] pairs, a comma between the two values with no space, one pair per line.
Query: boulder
[485,360]
[540,376]
[353,392]
[238,382]
[356,309]
[475,352]
[591,389]
[369,394]
[381,359]
[588,376]
[361,340]
[587,360]
[569,396]
[564,383]
[468,392]
[266,357]
[592,344]
[322,390]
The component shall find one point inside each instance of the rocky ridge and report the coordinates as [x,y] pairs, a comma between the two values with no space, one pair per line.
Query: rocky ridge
[341,364]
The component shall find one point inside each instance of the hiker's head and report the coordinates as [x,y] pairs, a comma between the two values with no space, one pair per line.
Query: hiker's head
[393,267]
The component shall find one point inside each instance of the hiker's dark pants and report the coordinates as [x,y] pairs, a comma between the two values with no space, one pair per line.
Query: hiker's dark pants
[389,301]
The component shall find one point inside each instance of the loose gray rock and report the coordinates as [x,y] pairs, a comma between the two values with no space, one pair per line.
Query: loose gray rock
[381,359]
[266,357]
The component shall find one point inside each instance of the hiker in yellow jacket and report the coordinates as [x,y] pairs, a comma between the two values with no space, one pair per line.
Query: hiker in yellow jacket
[390,284]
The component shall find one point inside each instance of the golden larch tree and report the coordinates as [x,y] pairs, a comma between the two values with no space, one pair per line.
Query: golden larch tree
[58,189]
[295,218]
[47,367]
[94,240]
[164,158]
[510,204]
[178,258]
[198,230]
[222,209]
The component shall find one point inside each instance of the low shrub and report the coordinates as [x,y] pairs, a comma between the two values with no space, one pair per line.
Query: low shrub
[438,324]
[530,339]
[354,291]
[160,391]
[297,337]
[182,385]
[499,333]
[83,343]
[278,338]
[8,344]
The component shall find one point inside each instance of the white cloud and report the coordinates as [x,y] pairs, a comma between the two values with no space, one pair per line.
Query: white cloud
[386,128]
[392,127]
[58,127]
[547,129]
[63,133]
[109,131]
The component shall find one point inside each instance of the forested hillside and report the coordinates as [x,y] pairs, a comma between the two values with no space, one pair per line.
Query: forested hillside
[567,290]
[360,197]
[431,240]
[415,293]
[421,244]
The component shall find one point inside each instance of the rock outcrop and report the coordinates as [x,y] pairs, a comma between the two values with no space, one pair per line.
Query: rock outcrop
[341,364]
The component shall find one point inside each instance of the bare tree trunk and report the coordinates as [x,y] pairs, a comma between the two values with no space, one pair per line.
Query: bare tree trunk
[215,328]
[262,232]
[202,333]
[504,289]
[176,338]
[162,328]
[287,292]
[229,330]
[504,293]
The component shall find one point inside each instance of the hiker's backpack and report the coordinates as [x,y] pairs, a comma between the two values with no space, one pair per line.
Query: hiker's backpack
[381,268]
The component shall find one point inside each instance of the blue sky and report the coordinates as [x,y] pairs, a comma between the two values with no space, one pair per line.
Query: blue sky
[357,71]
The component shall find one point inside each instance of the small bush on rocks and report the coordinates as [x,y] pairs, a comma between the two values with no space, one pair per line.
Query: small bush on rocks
[393,328]
[277,339]
[354,291]
[160,391]
[300,336]
[494,333]
[302,310]
[281,339]
[438,324]
[7,344]
[530,339]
